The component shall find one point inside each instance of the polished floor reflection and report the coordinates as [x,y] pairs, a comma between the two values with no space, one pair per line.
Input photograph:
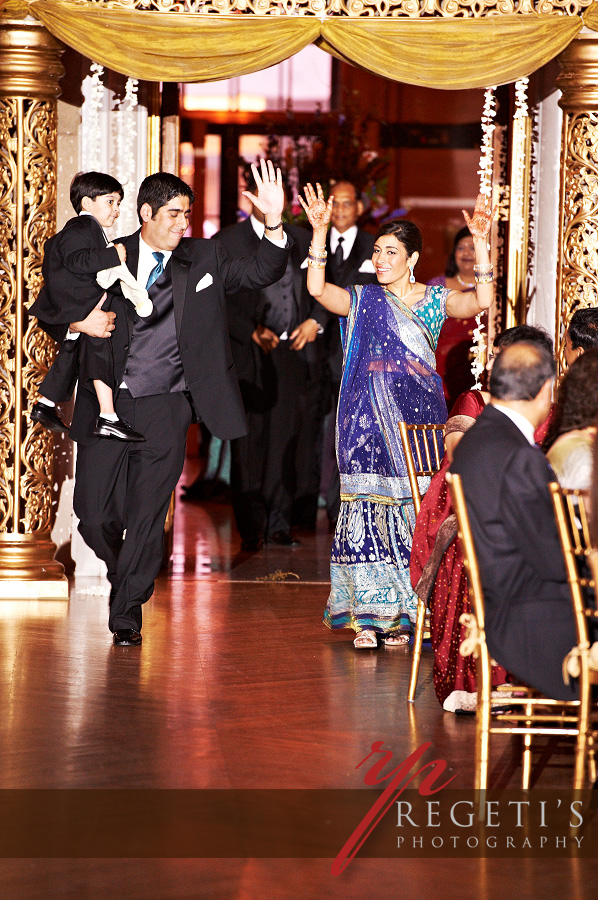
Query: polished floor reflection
[237,685]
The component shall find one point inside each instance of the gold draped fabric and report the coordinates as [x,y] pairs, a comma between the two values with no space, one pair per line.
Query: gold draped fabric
[433,52]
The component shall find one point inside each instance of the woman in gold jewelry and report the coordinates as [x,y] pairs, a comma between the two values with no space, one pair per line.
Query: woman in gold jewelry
[389,332]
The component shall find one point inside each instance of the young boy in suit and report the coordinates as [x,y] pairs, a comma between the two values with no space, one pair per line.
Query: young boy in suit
[72,259]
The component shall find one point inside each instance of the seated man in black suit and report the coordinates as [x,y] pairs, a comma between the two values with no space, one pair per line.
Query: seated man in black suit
[529,617]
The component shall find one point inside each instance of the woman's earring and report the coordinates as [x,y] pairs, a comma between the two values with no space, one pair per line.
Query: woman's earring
[412,276]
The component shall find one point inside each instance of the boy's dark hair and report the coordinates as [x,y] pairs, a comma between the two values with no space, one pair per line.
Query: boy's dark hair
[520,371]
[583,329]
[159,189]
[92,185]
[524,333]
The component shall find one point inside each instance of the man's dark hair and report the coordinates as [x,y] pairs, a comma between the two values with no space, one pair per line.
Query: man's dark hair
[159,189]
[406,233]
[524,333]
[520,371]
[92,185]
[583,329]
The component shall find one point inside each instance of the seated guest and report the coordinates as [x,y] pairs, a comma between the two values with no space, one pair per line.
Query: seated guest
[529,618]
[582,334]
[570,437]
[437,556]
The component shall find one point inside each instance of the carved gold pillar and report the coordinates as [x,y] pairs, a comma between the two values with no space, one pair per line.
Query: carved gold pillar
[577,280]
[29,72]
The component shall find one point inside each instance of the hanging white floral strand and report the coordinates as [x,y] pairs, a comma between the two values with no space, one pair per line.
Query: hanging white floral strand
[478,347]
[518,169]
[125,161]
[94,103]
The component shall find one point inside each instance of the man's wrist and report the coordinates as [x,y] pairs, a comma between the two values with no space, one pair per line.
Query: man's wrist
[317,324]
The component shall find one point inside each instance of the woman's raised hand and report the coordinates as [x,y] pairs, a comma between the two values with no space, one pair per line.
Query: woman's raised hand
[483,216]
[317,210]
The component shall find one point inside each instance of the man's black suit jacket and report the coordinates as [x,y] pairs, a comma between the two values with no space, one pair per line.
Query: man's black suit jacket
[245,309]
[529,618]
[202,273]
[362,249]
[72,259]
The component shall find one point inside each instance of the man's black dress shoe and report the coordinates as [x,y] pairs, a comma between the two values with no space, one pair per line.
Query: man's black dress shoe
[283,538]
[127,637]
[121,429]
[48,417]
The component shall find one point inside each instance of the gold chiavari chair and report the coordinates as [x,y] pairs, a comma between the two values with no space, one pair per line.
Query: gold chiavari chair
[423,446]
[581,563]
[529,712]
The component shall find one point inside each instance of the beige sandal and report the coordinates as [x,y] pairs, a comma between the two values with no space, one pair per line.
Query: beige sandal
[366,640]
[396,640]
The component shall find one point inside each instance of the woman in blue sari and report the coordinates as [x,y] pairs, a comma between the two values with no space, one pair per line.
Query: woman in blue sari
[389,333]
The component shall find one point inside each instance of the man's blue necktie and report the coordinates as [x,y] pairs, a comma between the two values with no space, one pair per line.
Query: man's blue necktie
[157,270]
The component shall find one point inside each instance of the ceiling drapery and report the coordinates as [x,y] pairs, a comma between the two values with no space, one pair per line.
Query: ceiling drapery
[432,52]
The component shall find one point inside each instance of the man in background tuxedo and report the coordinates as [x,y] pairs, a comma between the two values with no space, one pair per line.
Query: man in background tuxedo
[529,617]
[174,362]
[278,355]
[350,252]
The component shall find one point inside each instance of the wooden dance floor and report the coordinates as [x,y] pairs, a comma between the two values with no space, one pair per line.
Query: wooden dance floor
[237,686]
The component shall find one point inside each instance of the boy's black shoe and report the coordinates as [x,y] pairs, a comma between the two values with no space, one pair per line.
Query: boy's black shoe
[48,417]
[121,430]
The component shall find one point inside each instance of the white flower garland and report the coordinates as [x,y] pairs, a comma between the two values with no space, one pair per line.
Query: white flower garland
[93,130]
[125,166]
[478,347]
[518,169]
[486,155]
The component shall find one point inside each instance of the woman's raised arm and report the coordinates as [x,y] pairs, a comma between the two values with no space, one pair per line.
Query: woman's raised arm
[465,304]
[335,299]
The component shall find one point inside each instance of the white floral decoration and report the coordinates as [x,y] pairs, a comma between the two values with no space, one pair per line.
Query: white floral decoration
[94,104]
[518,168]
[486,155]
[125,161]
[485,171]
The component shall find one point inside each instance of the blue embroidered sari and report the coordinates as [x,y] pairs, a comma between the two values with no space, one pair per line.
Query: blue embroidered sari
[388,375]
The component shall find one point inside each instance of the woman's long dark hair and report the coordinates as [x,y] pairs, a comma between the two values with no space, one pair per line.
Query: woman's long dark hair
[451,263]
[406,233]
[577,399]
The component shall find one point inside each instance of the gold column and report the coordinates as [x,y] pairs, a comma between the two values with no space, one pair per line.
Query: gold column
[577,278]
[29,72]
[521,151]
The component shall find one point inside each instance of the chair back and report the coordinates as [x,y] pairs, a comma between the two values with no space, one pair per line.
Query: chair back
[470,560]
[571,515]
[423,446]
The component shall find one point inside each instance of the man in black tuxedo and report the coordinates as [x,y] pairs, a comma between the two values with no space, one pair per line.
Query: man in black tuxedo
[279,359]
[529,617]
[173,362]
[349,261]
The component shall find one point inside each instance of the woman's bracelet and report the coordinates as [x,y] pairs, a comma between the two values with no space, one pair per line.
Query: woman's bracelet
[273,227]
[318,251]
[316,263]
[486,278]
[483,268]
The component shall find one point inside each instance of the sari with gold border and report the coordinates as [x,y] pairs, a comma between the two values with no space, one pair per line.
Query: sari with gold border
[388,376]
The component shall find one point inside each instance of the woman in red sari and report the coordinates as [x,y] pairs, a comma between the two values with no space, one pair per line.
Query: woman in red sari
[454,675]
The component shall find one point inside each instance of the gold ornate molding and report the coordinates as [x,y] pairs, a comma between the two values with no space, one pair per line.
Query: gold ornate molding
[29,72]
[577,281]
[413,9]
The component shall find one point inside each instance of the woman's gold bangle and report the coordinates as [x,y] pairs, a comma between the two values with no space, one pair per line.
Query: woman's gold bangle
[316,263]
[487,278]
